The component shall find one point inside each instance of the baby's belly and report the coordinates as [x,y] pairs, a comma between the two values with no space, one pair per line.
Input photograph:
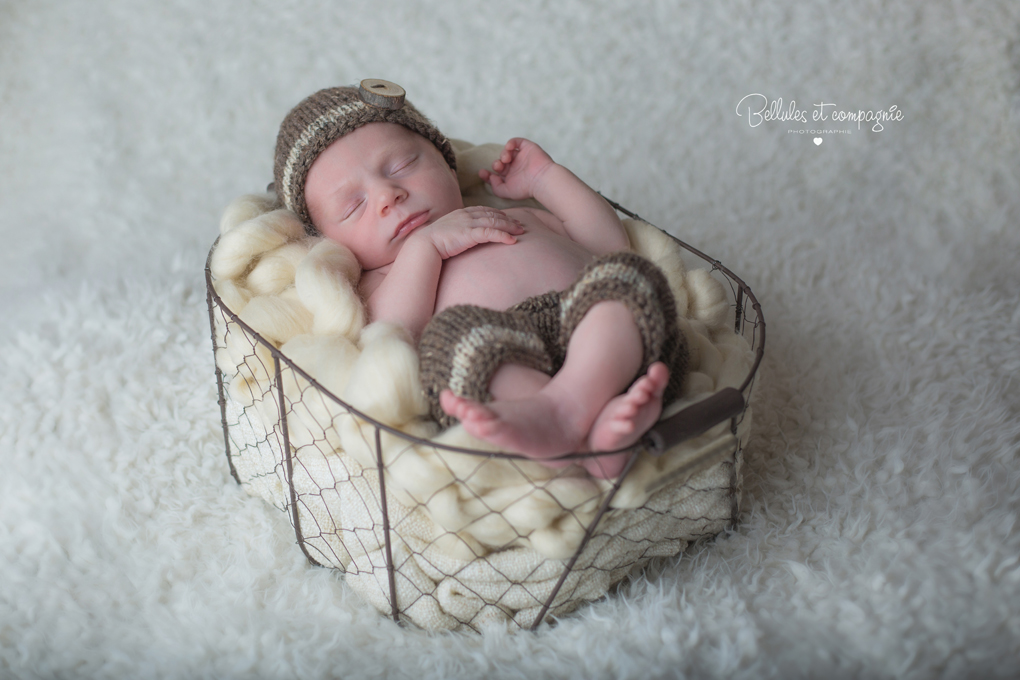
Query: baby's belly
[498,276]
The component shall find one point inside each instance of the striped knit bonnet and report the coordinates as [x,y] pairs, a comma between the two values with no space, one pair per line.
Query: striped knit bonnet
[328,115]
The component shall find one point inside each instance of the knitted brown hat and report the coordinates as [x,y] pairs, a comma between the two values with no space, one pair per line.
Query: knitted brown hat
[328,115]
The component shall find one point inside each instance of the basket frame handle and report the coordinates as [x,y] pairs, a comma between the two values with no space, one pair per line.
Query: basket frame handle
[696,419]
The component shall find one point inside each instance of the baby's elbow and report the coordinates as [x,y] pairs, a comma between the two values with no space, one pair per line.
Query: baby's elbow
[414,332]
[414,322]
[612,242]
[621,242]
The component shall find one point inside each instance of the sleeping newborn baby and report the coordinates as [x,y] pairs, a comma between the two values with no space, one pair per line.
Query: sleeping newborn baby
[537,330]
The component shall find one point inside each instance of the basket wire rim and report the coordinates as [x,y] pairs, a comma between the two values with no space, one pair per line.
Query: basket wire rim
[644,442]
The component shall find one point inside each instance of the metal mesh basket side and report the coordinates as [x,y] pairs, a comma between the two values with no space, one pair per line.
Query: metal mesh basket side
[382,539]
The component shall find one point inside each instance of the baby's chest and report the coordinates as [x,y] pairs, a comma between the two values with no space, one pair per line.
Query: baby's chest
[498,276]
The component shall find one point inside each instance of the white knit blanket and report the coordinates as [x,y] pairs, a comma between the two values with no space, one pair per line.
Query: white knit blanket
[465,526]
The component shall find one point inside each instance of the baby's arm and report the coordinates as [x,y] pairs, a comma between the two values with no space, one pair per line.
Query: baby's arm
[407,293]
[524,170]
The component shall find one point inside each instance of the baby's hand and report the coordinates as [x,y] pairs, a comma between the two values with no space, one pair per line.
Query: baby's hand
[519,167]
[466,228]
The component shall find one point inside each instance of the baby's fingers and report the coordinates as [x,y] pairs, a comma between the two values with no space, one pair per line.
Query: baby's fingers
[492,179]
[483,211]
[490,217]
[499,165]
[505,225]
[493,235]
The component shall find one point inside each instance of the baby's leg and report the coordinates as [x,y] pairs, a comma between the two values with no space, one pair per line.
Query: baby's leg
[465,348]
[516,381]
[603,356]
[619,316]
[624,419]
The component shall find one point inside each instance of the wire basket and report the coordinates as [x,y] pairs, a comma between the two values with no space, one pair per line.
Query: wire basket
[410,553]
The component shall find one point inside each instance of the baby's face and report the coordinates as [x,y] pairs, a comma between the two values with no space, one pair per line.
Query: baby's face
[370,189]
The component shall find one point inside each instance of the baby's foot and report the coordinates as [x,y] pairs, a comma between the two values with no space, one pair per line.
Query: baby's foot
[537,427]
[624,419]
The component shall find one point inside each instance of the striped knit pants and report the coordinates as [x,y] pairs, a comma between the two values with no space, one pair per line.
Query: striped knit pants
[463,346]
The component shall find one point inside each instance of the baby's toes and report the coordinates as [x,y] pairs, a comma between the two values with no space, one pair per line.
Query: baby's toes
[450,403]
[626,411]
[622,426]
[658,374]
[640,393]
[482,428]
[458,407]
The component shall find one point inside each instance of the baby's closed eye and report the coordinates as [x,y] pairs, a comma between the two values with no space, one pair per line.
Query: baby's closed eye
[350,207]
[403,164]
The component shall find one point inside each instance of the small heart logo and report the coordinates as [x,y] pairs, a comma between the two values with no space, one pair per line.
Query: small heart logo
[817,140]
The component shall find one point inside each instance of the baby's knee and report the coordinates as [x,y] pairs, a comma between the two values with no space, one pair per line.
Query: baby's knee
[642,288]
[462,348]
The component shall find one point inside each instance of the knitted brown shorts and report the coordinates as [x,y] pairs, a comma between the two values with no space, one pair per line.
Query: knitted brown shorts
[462,346]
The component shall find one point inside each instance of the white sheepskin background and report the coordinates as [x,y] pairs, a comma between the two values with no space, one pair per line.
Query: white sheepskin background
[879,535]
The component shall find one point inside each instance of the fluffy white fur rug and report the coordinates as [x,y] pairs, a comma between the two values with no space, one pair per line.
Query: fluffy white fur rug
[882,483]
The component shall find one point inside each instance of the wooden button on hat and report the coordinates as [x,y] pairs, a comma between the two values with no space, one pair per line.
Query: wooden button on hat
[381,94]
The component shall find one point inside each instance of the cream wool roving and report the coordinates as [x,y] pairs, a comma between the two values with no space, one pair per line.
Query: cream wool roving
[464,525]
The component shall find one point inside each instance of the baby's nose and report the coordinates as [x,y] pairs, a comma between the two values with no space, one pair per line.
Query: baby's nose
[389,197]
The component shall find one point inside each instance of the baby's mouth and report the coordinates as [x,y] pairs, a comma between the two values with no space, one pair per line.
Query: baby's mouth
[411,223]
